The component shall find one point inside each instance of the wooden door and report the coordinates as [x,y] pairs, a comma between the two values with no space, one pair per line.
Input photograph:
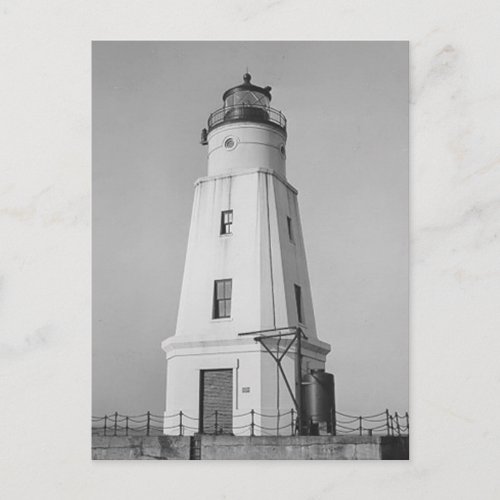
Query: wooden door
[216,401]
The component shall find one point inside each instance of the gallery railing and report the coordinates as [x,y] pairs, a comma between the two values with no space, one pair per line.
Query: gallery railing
[149,424]
[246,112]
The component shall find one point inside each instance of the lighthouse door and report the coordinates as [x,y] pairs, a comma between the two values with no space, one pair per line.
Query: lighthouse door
[216,401]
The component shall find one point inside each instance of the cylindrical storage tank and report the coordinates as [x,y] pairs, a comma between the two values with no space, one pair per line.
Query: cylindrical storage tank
[318,402]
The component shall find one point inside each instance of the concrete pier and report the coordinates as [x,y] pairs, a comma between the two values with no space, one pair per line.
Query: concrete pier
[211,447]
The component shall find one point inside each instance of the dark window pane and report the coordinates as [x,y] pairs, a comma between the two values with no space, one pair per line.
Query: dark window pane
[290,228]
[222,309]
[222,298]
[298,301]
[225,221]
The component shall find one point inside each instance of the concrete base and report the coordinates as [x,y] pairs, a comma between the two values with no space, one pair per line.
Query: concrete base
[250,448]
[140,447]
[304,448]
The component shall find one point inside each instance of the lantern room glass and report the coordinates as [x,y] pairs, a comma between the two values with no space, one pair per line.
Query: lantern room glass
[246,98]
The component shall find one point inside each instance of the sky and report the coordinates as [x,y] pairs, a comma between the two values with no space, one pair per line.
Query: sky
[347,154]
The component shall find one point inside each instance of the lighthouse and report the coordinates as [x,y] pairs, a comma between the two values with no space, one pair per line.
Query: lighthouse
[246,338]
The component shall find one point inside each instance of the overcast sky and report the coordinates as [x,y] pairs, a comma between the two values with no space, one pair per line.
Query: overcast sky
[347,154]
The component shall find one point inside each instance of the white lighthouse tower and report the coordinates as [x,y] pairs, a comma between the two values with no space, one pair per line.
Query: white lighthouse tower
[245,273]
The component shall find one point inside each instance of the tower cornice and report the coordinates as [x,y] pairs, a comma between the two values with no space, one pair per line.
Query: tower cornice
[266,171]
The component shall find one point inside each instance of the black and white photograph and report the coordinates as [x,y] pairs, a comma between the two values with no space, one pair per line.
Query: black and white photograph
[261,236]
[234,318]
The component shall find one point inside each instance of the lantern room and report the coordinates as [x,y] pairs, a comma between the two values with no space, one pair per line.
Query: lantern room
[247,94]
[245,102]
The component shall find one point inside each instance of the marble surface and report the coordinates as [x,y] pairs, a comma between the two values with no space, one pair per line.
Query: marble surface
[45,207]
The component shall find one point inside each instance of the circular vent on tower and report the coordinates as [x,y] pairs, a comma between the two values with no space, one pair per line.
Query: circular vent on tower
[230,143]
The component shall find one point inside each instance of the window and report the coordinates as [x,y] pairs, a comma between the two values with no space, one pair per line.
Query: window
[247,98]
[290,229]
[222,299]
[230,143]
[226,221]
[298,302]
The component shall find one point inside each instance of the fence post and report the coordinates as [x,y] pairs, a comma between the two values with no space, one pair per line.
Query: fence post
[126,426]
[360,426]
[278,423]
[105,423]
[148,425]
[116,422]
[392,425]
[397,424]
[292,423]
[387,422]
[332,422]
[180,423]
[407,423]
[252,425]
